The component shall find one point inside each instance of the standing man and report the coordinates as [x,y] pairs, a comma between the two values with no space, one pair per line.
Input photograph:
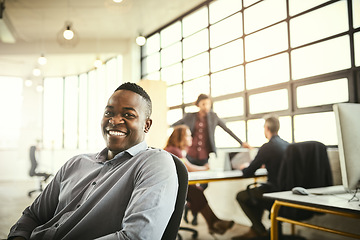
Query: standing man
[270,154]
[126,191]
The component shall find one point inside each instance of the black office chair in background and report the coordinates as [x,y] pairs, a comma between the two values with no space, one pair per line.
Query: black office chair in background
[305,164]
[43,177]
[171,231]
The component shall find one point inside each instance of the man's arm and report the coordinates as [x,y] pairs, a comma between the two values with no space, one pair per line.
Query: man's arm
[222,124]
[38,213]
[153,200]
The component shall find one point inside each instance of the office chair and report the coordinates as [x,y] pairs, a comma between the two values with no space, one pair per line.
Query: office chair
[33,173]
[305,164]
[171,231]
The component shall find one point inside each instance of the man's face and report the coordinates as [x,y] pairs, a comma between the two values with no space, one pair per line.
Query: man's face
[124,122]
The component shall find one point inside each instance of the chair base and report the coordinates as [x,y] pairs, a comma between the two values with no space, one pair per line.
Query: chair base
[194,232]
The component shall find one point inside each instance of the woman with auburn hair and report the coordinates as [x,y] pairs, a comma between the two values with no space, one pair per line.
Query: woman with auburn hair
[177,144]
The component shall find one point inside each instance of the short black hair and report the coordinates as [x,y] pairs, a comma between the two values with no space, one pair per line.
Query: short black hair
[139,90]
[201,97]
[272,122]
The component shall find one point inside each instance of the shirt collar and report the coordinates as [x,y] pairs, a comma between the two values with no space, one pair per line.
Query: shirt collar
[101,156]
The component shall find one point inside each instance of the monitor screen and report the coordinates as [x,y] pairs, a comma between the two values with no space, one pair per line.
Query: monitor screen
[234,158]
[347,117]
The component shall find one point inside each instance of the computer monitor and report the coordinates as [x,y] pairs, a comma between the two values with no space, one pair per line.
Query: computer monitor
[347,117]
[234,158]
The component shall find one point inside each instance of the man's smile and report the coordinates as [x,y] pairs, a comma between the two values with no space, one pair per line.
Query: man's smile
[116,133]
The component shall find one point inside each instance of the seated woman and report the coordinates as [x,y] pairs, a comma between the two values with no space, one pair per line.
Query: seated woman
[177,144]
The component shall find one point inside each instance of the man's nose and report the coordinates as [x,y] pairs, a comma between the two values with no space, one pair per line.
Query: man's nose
[116,120]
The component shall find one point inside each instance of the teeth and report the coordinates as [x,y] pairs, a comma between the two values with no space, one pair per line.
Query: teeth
[116,133]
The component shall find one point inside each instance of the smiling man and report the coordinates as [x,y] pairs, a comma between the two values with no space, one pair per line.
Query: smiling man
[127,191]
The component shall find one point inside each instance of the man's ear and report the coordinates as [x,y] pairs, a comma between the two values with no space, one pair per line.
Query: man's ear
[148,124]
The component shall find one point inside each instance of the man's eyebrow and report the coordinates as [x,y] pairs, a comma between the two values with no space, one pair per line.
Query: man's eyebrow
[129,108]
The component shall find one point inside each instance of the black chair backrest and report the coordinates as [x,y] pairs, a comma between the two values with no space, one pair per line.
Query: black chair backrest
[33,162]
[305,164]
[172,228]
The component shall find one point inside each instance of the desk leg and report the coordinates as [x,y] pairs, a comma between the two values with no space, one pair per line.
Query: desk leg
[274,233]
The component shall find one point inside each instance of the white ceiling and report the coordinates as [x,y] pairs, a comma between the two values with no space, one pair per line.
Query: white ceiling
[105,29]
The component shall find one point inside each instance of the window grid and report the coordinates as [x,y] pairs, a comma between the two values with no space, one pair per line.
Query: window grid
[351,73]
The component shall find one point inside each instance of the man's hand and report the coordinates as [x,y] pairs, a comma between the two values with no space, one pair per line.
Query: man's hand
[246,145]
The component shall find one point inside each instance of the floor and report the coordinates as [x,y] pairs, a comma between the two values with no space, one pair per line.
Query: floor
[14,200]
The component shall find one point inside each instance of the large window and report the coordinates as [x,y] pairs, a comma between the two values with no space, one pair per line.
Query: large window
[70,101]
[11,90]
[289,57]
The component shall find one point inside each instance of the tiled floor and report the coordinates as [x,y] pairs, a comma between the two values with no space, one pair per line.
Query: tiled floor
[14,200]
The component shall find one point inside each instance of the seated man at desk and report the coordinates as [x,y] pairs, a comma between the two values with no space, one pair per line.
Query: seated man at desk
[270,154]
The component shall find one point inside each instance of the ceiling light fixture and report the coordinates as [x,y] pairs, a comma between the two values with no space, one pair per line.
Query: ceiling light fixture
[98,63]
[36,72]
[28,83]
[117,1]
[68,33]
[39,88]
[67,36]
[42,60]
[140,40]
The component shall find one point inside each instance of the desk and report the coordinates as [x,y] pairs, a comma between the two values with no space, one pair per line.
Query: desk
[212,176]
[331,200]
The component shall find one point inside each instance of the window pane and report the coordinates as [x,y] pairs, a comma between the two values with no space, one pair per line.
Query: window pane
[171,54]
[226,30]
[83,111]
[268,71]
[174,95]
[266,42]
[323,93]
[298,6]
[196,66]
[171,34]
[224,140]
[356,15]
[191,108]
[152,44]
[53,117]
[319,24]
[329,56]
[153,76]
[256,134]
[195,21]
[196,43]
[256,137]
[71,112]
[269,101]
[193,88]
[151,63]
[250,2]
[226,56]
[172,75]
[11,90]
[357,48]
[227,81]
[222,108]
[316,126]
[223,8]
[174,115]
[271,11]
[285,128]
